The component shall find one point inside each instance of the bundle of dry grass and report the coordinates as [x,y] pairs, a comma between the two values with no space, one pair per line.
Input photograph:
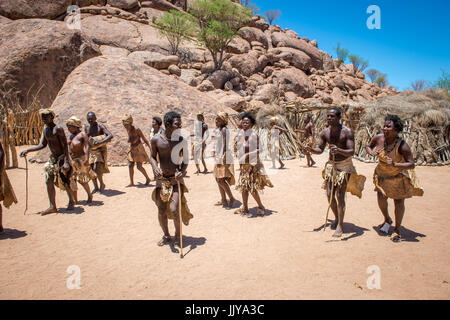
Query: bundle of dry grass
[426,117]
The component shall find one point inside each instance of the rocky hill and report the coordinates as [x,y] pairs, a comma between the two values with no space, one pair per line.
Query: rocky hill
[41,58]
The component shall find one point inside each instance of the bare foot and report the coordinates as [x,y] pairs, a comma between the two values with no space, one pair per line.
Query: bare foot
[147,182]
[70,206]
[221,203]
[95,191]
[176,241]
[334,225]
[388,221]
[338,233]
[313,163]
[102,187]
[260,211]
[164,240]
[233,203]
[130,185]
[241,211]
[205,171]
[1,229]
[89,199]
[282,166]
[48,211]
[395,236]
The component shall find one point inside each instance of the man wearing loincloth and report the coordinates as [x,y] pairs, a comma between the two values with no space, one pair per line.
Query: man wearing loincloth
[339,169]
[274,138]
[224,168]
[98,155]
[58,170]
[79,153]
[7,195]
[394,176]
[201,135]
[137,152]
[307,138]
[252,177]
[169,146]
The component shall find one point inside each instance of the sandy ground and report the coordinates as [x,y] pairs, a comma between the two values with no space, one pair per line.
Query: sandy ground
[279,256]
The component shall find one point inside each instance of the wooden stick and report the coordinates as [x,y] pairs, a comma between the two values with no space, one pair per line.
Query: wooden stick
[181,220]
[333,171]
[26,185]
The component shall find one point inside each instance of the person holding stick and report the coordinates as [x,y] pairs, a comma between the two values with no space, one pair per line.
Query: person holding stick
[137,152]
[98,156]
[169,146]
[339,174]
[7,195]
[58,170]
[394,176]
[307,137]
[79,154]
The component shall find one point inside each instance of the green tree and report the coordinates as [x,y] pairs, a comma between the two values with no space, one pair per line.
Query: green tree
[373,74]
[443,82]
[381,80]
[177,27]
[341,54]
[272,15]
[358,62]
[218,22]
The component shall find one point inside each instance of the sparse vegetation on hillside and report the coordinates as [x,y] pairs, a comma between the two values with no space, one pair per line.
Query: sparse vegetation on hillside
[272,15]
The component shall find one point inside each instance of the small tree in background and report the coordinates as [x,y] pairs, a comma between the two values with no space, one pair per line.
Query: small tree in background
[341,54]
[176,26]
[249,5]
[443,82]
[381,80]
[418,85]
[218,22]
[272,15]
[358,62]
[372,74]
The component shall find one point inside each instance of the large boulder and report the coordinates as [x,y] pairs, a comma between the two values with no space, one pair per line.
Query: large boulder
[25,9]
[219,77]
[130,35]
[123,4]
[247,63]
[238,46]
[114,51]
[267,93]
[111,87]
[295,57]
[4,20]
[295,80]
[253,34]
[36,56]
[319,59]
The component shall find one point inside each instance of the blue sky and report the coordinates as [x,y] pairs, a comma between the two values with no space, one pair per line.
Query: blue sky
[412,44]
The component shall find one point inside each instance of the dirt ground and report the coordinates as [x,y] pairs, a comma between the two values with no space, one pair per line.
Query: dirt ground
[227,256]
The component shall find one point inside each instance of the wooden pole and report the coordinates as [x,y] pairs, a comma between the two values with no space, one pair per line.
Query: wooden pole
[333,172]
[181,220]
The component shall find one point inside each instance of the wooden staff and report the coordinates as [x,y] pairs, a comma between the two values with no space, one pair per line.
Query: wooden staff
[181,220]
[333,172]
[26,185]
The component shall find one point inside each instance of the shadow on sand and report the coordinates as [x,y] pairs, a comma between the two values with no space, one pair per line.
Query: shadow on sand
[111,193]
[190,242]
[12,234]
[407,234]
[349,228]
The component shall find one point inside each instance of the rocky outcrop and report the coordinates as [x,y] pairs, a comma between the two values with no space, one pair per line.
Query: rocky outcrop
[295,80]
[26,9]
[123,4]
[111,87]
[37,55]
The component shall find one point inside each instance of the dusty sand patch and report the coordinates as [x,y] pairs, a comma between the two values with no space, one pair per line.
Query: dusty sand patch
[278,256]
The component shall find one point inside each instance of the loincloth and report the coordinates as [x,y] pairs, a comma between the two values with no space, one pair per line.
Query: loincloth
[345,172]
[252,178]
[7,194]
[165,188]
[225,171]
[138,154]
[81,173]
[394,184]
[53,171]
[99,155]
